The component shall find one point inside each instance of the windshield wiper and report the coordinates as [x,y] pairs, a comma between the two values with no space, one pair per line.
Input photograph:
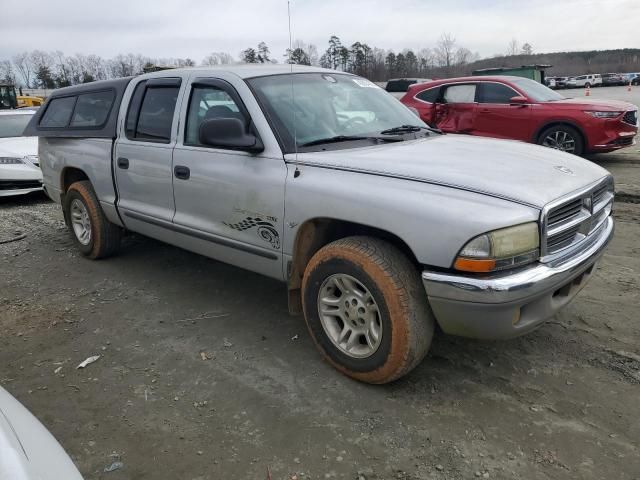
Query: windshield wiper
[347,138]
[407,129]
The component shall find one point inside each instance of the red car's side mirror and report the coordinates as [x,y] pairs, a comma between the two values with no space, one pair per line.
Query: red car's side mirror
[518,100]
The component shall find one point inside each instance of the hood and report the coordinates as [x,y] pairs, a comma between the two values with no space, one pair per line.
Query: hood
[19,146]
[27,450]
[517,171]
[596,104]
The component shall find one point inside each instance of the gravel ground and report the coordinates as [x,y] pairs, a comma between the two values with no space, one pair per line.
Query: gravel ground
[204,375]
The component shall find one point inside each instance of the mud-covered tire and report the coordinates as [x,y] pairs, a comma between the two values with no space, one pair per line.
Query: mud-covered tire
[407,323]
[105,236]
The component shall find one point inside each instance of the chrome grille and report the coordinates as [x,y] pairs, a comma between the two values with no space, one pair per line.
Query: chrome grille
[631,117]
[564,212]
[568,222]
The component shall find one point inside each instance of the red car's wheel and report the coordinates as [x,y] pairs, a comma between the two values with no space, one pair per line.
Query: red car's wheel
[562,137]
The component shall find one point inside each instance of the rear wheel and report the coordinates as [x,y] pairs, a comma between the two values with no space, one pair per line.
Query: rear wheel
[366,309]
[562,137]
[94,236]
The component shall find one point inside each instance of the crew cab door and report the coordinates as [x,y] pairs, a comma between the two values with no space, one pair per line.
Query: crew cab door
[497,117]
[143,155]
[229,204]
[456,110]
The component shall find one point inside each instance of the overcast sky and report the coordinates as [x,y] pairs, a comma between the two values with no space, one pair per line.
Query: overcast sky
[193,28]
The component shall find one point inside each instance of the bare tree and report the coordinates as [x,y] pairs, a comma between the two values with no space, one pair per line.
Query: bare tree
[527,49]
[23,65]
[513,48]
[463,56]
[7,73]
[217,58]
[444,50]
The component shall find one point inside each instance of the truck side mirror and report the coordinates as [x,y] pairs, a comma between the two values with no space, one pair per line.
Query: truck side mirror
[228,133]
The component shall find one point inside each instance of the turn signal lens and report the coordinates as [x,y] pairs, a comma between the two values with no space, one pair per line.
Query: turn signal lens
[501,249]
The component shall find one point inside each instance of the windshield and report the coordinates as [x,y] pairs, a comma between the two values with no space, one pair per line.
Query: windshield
[313,106]
[536,91]
[13,125]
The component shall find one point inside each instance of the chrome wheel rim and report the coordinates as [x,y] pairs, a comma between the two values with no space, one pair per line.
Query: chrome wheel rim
[350,316]
[560,140]
[80,222]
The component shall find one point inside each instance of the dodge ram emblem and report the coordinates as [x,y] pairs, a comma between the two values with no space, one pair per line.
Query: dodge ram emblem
[563,169]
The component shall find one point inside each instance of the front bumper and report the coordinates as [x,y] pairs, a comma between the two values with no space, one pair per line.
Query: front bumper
[509,304]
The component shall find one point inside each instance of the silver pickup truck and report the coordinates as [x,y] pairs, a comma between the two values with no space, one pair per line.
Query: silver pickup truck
[380,226]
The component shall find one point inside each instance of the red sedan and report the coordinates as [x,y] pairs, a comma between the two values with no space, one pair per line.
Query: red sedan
[522,109]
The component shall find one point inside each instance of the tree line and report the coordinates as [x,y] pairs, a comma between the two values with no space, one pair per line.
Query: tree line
[42,69]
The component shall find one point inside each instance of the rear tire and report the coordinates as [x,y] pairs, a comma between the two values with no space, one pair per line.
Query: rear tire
[366,309]
[94,236]
[562,137]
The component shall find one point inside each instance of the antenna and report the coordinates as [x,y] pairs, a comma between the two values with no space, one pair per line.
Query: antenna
[293,97]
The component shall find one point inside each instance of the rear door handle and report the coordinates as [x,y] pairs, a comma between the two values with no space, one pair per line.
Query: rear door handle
[123,163]
[182,172]
[485,110]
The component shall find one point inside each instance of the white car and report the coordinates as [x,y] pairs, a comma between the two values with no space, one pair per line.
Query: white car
[19,164]
[592,80]
[27,450]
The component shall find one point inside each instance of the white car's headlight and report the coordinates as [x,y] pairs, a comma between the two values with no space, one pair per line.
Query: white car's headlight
[500,249]
[603,114]
[10,160]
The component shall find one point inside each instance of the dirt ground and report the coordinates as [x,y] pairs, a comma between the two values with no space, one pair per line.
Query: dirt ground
[204,375]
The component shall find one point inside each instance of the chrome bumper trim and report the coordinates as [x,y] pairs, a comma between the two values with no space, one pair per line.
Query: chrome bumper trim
[514,286]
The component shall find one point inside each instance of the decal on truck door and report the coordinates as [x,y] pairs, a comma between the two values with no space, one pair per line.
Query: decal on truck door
[265,230]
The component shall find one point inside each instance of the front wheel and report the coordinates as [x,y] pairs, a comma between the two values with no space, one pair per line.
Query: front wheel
[366,309]
[562,137]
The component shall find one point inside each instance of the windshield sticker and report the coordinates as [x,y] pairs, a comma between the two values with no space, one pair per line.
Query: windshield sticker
[329,78]
[364,83]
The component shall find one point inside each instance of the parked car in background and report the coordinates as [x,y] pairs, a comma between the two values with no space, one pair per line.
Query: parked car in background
[398,86]
[591,80]
[612,79]
[633,79]
[27,450]
[284,181]
[561,82]
[19,164]
[522,109]
[550,82]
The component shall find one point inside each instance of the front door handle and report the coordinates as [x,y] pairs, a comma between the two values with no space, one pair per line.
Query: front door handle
[182,172]
[123,163]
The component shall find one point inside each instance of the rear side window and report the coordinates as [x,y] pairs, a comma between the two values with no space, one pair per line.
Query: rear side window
[153,120]
[496,93]
[92,109]
[430,95]
[460,94]
[58,112]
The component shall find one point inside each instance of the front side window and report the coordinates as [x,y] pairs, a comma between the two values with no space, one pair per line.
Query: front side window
[92,109]
[207,103]
[58,112]
[536,91]
[430,95]
[460,94]
[308,107]
[13,125]
[155,118]
[496,93]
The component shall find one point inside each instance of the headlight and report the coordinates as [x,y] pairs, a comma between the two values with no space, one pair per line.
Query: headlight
[10,160]
[505,248]
[603,114]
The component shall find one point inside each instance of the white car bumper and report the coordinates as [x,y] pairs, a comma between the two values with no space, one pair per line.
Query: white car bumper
[19,179]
